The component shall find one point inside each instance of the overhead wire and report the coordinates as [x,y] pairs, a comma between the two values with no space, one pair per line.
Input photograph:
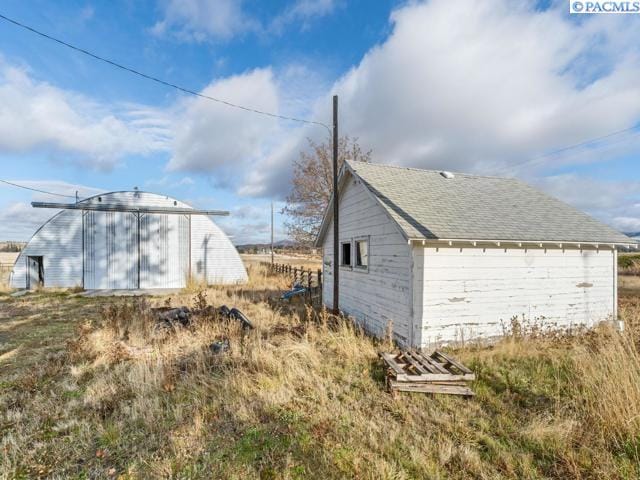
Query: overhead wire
[159,80]
[585,143]
[36,189]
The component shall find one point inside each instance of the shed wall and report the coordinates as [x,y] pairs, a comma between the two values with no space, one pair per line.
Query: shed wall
[475,292]
[381,295]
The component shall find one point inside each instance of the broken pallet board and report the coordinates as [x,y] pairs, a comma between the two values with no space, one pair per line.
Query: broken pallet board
[414,371]
[431,388]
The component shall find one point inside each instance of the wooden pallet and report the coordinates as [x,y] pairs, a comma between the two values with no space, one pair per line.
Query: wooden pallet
[414,371]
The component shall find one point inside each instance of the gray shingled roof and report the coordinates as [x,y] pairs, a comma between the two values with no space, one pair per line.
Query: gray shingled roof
[471,207]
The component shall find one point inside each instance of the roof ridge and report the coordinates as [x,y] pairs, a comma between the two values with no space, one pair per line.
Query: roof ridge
[430,170]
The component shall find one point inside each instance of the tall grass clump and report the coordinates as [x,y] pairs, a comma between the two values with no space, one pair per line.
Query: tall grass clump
[607,369]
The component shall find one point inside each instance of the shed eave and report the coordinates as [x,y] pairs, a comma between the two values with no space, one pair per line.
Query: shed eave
[518,243]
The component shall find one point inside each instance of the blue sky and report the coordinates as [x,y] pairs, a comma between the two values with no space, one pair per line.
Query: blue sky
[489,87]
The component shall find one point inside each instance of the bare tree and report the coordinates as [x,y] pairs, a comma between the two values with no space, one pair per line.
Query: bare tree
[313,185]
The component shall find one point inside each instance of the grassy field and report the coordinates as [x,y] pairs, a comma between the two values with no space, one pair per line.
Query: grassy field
[90,389]
[7,259]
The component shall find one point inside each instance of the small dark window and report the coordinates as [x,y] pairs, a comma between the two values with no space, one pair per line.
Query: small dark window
[345,254]
[362,253]
[99,199]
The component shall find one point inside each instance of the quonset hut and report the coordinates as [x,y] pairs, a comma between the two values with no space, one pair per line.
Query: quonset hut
[127,240]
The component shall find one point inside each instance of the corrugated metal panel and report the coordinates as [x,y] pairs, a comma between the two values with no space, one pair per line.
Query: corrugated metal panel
[164,250]
[59,242]
[110,250]
[89,250]
[213,256]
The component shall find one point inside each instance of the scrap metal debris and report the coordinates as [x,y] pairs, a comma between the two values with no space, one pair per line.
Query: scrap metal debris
[220,346]
[184,316]
[414,371]
[296,290]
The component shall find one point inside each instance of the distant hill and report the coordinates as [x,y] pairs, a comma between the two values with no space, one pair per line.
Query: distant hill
[633,234]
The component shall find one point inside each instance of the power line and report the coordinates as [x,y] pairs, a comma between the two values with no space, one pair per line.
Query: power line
[584,143]
[36,189]
[159,80]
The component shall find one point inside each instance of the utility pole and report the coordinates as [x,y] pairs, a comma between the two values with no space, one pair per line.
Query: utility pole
[336,223]
[271,232]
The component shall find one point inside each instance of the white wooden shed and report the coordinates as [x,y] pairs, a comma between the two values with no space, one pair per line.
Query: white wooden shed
[127,240]
[445,257]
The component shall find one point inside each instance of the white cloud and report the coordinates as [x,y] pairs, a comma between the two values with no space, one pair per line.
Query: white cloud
[302,12]
[627,224]
[200,20]
[197,20]
[169,181]
[35,115]
[211,137]
[470,84]
[612,201]
[251,223]
[19,220]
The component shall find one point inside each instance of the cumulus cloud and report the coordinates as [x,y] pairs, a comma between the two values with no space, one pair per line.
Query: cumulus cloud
[211,137]
[468,85]
[35,115]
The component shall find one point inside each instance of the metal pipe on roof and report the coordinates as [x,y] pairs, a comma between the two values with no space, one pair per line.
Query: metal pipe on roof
[114,207]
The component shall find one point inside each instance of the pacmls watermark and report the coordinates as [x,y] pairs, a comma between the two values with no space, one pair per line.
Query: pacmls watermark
[607,6]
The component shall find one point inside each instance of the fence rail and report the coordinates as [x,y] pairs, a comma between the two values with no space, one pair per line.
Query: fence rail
[306,277]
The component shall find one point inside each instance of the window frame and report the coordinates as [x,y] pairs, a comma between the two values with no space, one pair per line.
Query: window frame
[341,259]
[366,239]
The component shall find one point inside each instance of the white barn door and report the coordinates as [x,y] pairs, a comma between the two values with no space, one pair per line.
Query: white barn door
[110,250]
[164,250]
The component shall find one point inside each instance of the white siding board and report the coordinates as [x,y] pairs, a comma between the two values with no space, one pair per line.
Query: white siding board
[381,295]
[473,292]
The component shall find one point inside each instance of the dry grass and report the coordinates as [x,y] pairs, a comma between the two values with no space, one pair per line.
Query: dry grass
[303,261]
[7,259]
[101,393]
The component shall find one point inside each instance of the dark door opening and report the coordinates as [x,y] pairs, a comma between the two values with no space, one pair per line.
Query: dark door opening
[35,272]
